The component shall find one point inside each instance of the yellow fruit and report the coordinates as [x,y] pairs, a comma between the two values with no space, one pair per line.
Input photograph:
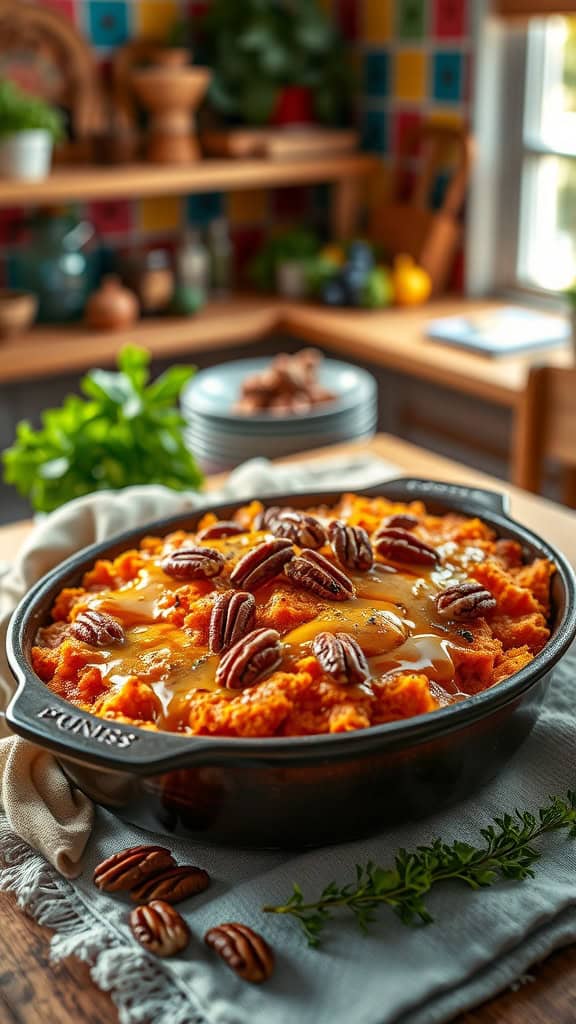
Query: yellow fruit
[412,284]
[333,254]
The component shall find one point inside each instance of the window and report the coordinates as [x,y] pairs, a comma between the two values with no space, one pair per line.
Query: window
[526,175]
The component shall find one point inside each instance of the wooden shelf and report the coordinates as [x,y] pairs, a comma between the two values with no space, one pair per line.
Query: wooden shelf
[74,184]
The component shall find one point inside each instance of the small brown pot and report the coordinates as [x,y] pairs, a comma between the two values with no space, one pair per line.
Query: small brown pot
[112,307]
[17,312]
[172,57]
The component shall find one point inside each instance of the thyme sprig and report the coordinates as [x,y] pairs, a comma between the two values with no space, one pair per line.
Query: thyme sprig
[508,852]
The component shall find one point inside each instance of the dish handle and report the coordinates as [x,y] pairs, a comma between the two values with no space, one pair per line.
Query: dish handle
[459,497]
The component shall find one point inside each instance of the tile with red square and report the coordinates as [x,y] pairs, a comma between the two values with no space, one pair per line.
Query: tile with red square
[450,19]
[291,202]
[112,217]
[347,17]
[405,137]
[246,241]
[68,8]
[13,226]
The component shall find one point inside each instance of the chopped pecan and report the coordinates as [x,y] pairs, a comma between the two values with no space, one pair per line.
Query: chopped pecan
[250,659]
[464,601]
[262,563]
[130,867]
[299,527]
[401,546]
[193,563]
[159,928]
[351,545]
[341,656]
[232,617]
[314,572]
[97,629]
[223,528]
[404,520]
[243,950]
[172,885]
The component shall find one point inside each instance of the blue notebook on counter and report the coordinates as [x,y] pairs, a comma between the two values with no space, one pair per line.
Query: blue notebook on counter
[502,332]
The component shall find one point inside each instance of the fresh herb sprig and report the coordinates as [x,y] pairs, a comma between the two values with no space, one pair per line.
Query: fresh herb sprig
[508,853]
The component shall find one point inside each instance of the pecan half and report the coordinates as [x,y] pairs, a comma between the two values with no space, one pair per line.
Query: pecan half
[299,527]
[262,563]
[402,546]
[159,928]
[193,563]
[232,616]
[223,528]
[172,885]
[130,867]
[404,520]
[243,950]
[351,545]
[97,629]
[314,572]
[341,656]
[464,601]
[250,659]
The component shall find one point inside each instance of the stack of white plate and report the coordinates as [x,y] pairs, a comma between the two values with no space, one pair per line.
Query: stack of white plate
[221,438]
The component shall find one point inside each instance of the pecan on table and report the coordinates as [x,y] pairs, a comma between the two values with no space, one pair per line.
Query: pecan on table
[232,616]
[341,656]
[351,545]
[193,563]
[130,867]
[405,520]
[299,527]
[223,528]
[402,546]
[314,572]
[159,928]
[172,885]
[464,601]
[250,659]
[243,950]
[262,563]
[97,629]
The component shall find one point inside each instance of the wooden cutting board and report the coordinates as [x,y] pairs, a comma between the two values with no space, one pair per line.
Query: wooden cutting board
[279,143]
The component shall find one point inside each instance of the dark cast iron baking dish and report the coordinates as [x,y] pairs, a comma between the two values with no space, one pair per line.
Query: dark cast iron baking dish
[296,791]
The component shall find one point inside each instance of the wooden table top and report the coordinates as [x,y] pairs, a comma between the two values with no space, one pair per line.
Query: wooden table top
[33,991]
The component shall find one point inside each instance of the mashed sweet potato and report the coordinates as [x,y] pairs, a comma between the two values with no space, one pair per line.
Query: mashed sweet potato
[426,610]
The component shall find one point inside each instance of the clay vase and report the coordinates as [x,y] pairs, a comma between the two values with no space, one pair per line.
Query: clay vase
[112,307]
[171,95]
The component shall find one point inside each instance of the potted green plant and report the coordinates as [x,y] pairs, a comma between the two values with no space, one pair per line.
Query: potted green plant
[279,61]
[29,127]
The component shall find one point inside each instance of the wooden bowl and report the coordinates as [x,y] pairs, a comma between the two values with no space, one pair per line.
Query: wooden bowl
[17,311]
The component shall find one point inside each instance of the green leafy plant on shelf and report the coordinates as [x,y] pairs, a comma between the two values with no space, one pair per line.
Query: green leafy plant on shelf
[125,431]
[298,245]
[259,47]
[21,112]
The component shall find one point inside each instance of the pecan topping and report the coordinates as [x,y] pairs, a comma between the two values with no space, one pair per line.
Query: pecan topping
[401,546]
[159,928]
[243,950]
[193,563]
[223,528]
[341,656]
[300,528]
[404,520]
[262,563]
[464,601]
[250,659]
[314,572]
[351,545]
[130,867]
[172,885]
[97,629]
[232,617]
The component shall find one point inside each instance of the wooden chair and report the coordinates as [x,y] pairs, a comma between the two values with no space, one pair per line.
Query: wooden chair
[411,225]
[547,430]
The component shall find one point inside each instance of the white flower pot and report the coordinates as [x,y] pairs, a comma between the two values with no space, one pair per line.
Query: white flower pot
[26,155]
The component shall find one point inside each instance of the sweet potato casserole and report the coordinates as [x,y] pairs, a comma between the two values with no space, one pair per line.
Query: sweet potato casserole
[288,623]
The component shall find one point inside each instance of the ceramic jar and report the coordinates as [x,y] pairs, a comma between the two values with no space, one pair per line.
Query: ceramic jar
[112,307]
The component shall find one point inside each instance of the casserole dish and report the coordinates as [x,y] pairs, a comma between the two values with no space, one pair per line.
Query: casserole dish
[301,790]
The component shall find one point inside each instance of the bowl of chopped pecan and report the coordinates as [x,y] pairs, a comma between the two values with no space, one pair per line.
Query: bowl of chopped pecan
[298,672]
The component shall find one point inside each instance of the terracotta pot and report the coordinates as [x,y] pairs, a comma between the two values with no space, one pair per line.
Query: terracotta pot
[111,307]
[294,106]
[17,312]
[171,95]
[172,57]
